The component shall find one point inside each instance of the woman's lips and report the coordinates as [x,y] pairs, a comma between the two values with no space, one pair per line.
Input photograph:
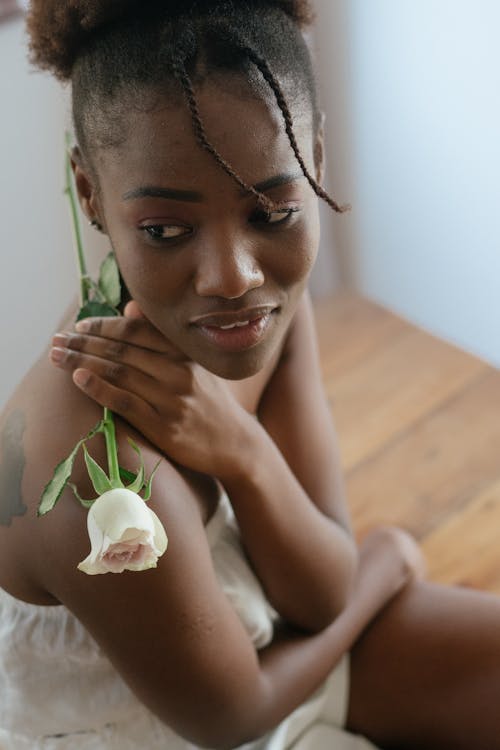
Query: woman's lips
[236,336]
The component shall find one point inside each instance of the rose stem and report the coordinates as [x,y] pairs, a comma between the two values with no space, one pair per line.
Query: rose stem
[111,449]
[82,267]
[108,420]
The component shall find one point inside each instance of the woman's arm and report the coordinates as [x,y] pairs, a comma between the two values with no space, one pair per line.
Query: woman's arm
[175,638]
[297,542]
[389,560]
[305,560]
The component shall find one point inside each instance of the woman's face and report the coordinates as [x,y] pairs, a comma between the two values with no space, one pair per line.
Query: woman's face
[207,267]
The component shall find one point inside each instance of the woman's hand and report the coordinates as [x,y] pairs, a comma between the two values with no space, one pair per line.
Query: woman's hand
[128,366]
[389,559]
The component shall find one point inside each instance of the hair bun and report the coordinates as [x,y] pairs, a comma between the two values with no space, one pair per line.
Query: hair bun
[58,31]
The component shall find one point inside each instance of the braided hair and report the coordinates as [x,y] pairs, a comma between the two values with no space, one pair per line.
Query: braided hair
[107,47]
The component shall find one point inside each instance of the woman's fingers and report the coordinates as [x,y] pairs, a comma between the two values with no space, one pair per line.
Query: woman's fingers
[121,375]
[132,310]
[131,407]
[70,348]
[137,331]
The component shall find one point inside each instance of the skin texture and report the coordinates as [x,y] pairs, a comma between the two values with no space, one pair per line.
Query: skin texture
[260,417]
[12,467]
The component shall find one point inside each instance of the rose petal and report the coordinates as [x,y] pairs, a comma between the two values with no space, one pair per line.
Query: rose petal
[125,534]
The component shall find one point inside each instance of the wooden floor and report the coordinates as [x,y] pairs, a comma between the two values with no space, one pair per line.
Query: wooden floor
[419,430]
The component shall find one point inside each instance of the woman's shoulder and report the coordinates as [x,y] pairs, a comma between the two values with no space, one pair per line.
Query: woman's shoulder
[33,437]
[42,422]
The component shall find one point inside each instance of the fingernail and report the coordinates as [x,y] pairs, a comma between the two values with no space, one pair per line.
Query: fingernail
[82,326]
[60,340]
[58,355]
[81,377]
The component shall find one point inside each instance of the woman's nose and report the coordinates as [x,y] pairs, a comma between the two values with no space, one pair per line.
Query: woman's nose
[227,272]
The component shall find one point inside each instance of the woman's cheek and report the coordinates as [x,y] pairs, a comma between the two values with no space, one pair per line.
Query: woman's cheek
[152,279]
[300,254]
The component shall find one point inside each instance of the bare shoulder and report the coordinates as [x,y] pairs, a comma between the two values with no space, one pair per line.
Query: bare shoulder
[297,366]
[34,435]
[40,425]
[302,326]
[295,412]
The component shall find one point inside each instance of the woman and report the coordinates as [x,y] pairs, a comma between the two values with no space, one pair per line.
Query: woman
[207,185]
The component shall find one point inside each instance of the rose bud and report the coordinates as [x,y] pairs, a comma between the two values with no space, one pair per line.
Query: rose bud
[125,534]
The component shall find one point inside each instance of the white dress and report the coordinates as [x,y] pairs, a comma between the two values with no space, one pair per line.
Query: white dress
[58,690]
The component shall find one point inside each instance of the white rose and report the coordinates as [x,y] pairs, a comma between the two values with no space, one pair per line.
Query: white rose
[125,534]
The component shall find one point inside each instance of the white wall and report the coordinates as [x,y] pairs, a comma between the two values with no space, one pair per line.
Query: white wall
[38,277]
[37,272]
[422,83]
[332,43]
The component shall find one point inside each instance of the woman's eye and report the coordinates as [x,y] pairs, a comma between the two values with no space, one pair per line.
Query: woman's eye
[280,216]
[165,231]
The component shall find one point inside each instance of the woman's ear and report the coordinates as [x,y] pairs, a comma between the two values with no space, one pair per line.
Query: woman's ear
[319,150]
[86,189]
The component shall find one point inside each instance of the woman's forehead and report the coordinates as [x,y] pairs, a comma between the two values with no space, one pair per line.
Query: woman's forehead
[247,132]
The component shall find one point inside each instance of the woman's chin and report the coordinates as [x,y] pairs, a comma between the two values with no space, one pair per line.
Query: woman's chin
[235,367]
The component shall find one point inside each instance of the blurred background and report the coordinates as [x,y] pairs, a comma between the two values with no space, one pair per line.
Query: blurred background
[411,96]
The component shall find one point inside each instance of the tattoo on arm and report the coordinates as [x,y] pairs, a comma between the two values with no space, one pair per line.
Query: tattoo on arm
[12,463]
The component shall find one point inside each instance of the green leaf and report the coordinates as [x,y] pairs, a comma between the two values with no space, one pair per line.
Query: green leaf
[137,485]
[126,475]
[85,503]
[97,475]
[95,309]
[109,280]
[54,489]
[138,482]
[149,485]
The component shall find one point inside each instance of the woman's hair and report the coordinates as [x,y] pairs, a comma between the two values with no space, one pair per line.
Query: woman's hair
[146,47]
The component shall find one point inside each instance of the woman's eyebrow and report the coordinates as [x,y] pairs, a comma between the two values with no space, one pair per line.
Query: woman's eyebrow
[272,182]
[193,196]
[150,191]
